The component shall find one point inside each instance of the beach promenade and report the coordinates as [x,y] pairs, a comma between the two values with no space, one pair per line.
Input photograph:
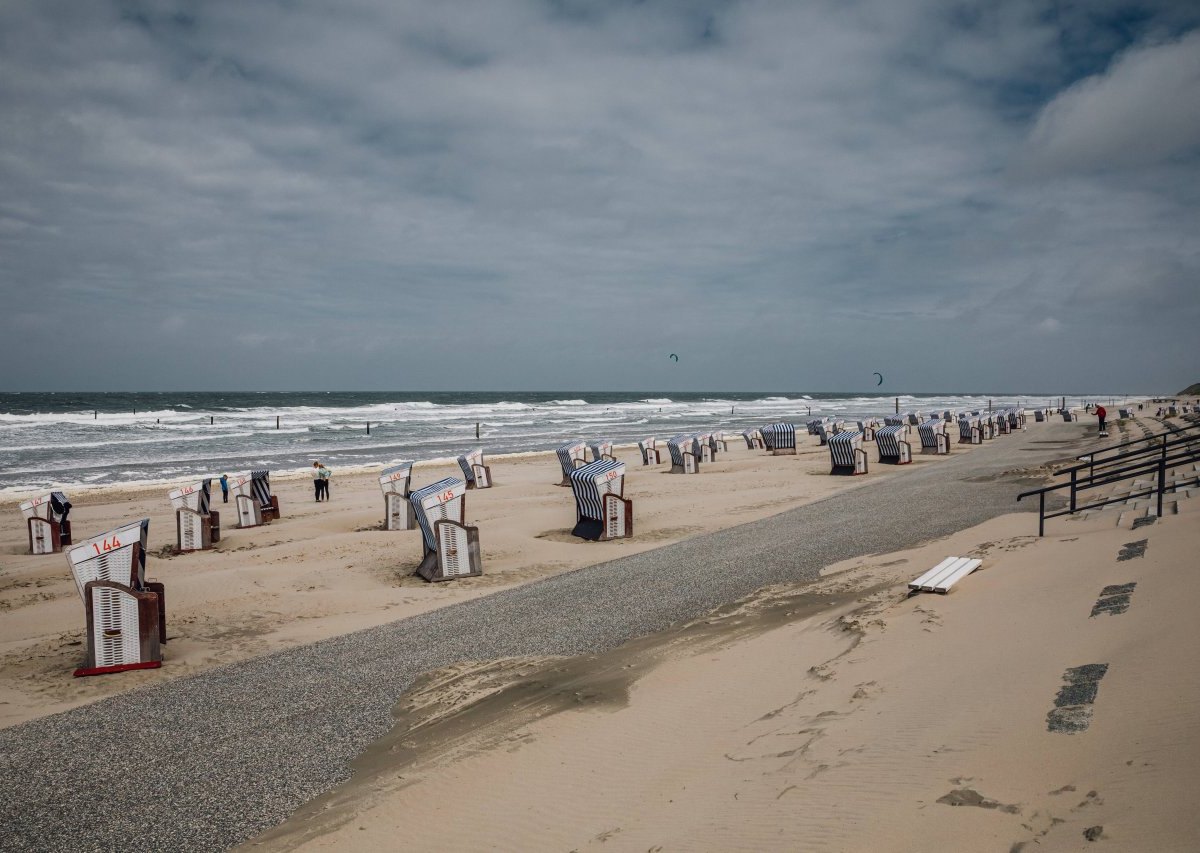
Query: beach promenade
[206,762]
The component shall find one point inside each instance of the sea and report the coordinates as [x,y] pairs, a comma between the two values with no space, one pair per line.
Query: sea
[82,441]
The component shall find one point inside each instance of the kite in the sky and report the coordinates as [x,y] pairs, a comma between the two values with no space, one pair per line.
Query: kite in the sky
[674,357]
[880,375]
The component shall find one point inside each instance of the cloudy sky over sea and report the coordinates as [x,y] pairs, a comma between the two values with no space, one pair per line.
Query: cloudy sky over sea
[534,194]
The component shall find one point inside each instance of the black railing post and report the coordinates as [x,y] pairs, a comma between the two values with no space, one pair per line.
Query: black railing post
[1073,472]
[1162,476]
[1041,514]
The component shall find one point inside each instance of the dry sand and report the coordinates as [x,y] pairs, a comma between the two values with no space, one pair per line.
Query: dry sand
[845,715]
[328,569]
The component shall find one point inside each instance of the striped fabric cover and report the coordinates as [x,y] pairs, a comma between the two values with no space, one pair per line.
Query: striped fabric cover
[964,427]
[929,432]
[567,454]
[594,480]
[894,420]
[1014,418]
[433,496]
[681,444]
[915,418]
[779,436]
[260,484]
[194,497]
[842,447]
[888,438]
[468,461]
[603,447]
[814,425]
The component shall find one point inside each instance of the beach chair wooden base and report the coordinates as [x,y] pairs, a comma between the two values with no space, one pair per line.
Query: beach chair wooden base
[48,537]
[869,434]
[941,448]
[270,512]
[651,456]
[125,628]
[616,524]
[248,511]
[457,555]
[690,465]
[859,466]
[482,477]
[753,442]
[398,512]
[194,530]
[707,454]
[904,457]
[944,575]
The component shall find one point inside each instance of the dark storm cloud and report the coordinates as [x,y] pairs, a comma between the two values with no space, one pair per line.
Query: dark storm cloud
[520,194]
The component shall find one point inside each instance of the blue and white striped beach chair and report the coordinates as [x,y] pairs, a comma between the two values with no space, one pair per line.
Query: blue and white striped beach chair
[1067,415]
[601,449]
[126,614]
[475,471]
[197,526]
[868,427]
[846,453]
[570,457]
[1039,415]
[397,511]
[46,520]
[915,418]
[823,432]
[649,450]
[1016,418]
[779,439]
[895,420]
[685,454]
[893,447]
[706,446]
[450,547]
[754,439]
[601,510]
[253,499]
[1000,422]
[933,437]
[970,430]
[813,425]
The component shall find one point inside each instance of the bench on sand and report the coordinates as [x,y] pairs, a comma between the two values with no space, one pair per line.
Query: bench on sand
[944,575]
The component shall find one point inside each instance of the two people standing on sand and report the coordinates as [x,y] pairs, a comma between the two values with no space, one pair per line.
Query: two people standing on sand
[321,476]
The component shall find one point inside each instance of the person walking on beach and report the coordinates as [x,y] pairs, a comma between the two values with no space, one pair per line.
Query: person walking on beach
[224,489]
[1101,414]
[325,474]
[316,475]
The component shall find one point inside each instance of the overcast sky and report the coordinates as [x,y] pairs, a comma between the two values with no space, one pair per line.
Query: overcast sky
[557,194]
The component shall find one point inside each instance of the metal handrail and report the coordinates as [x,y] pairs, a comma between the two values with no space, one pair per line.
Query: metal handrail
[1172,430]
[1186,448]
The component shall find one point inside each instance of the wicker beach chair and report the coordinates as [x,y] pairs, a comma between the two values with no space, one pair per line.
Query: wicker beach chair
[891,441]
[846,454]
[970,431]
[126,614]
[47,523]
[1039,416]
[823,433]
[450,547]
[570,457]
[685,454]
[1001,423]
[933,437]
[915,418]
[648,447]
[601,510]
[253,499]
[601,449]
[754,439]
[397,511]
[895,420]
[719,441]
[477,474]
[779,439]
[197,526]
[813,426]
[867,428]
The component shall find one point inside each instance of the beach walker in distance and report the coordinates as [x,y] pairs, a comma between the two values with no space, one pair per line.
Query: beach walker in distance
[649,450]
[570,457]
[397,511]
[46,520]
[685,454]
[253,499]
[477,474]
[450,547]
[779,439]
[126,614]
[601,510]
[893,447]
[846,453]
[933,437]
[197,526]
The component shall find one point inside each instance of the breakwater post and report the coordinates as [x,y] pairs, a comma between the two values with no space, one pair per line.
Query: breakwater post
[476,429]
[277,422]
[897,405]
[368,427]
[210,420]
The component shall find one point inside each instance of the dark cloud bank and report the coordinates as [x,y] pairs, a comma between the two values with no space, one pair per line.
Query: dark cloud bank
[517,194]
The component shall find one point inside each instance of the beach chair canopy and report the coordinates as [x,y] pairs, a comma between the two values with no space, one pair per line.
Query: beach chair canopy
[110,557]
[194,497]
[395,480]
[594,480]
[601,447]
[467,462]
[437,501]
[568,453]
[681,444]
[51,507]
[260,484]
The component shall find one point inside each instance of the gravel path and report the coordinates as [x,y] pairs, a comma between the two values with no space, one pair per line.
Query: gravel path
[203,763]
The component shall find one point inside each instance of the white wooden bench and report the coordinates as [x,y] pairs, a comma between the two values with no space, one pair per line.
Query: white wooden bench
[945,575]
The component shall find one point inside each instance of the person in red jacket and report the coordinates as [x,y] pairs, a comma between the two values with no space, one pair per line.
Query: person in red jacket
[1101,414]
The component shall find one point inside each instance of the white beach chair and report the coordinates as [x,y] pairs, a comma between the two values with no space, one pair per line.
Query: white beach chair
[126,614]
[719,441]
[754,440]
[477,474]
[570,457]
[601,510]
[602,449]
[934,438]
[397,511]
[846,453]
[685,454]
[893,447]
[779,439]
[706,446]
[944,575]
[450,547]
[47,524]
[253,499]
[648,447]
[197,526]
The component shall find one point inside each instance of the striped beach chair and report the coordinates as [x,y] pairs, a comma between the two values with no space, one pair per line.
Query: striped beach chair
[947,416]
[602,449]
[824,433]
[867,428]
[397,511]
[477,474]
[1124,413]
[933,437]
[779,439]
[754,439]
[685,454]
[706,446]
[601,510]
[893,447]
[719,441]
[895,420]
[126,614]
[1067,415]
[1000,423]
[813,426]
[914,418]
[253,499]
[970,431]
[570,457]
[197,526]
[1039,416]
[846,453]
[47,523]
[1016,418]
[450,547]
[648,447]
